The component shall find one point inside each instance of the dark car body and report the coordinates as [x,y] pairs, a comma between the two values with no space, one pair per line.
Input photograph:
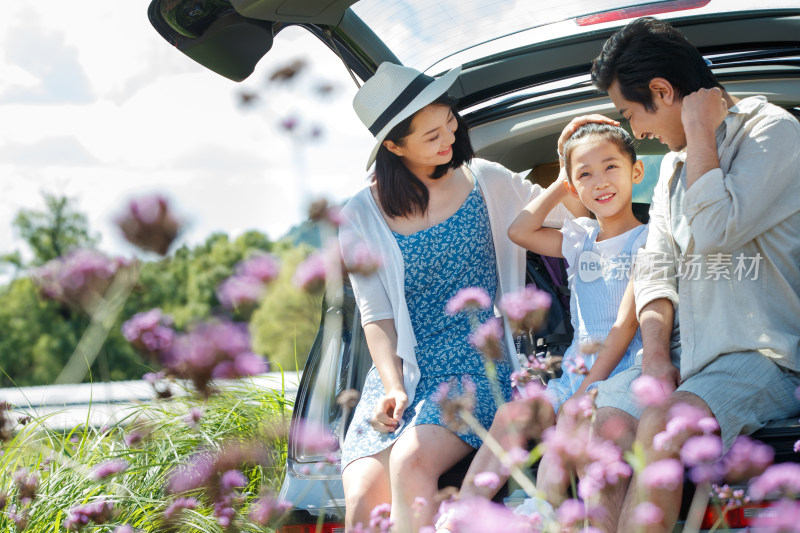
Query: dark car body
[516,101]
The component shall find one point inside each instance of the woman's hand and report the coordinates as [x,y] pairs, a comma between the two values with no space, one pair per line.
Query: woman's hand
[576,123]
[389,411]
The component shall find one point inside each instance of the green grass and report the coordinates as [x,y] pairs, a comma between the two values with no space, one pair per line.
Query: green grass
[65,461]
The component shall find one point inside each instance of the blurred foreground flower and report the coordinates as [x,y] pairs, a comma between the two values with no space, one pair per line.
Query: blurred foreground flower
[332,263]
[314,439]
[469,298]
[648,390]
[99,512]
[249,282]
[215,350]
[149,224]
[150,332]
[79,279]
[781,480]
[5,422]
[267,510]
[321,211]
[453,400]
[488,338]
[479,515]
[217,473]
[109,468]
[526,309]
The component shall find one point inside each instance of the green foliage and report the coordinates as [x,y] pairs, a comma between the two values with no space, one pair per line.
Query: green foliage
[243,413]
[285,324]
[56,230]
[39,336]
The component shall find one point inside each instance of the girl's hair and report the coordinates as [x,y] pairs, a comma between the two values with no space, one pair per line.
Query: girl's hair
[606,132]
[400,192]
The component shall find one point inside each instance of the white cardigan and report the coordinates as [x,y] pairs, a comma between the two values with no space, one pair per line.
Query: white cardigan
[382,295]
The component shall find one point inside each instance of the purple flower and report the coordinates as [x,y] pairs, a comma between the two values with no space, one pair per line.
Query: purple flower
[701,454]
[488,338]
[197,473]
[666,474]
[240,291]
[109,468]
[80,279]
[702,449]
[797,447]
[261,266]
[268,509]
[178,505]
[149,224]
[479,515]
[571,512]
[311,274]
[99,512]
[27,483]
[488,480]
[150,331]
[649,391]
[233,479]
[684,420]
[781,479]
[360,259]
[647,514]
[314,439]
[192,418]
[125,528]
[379,518]
[783,517]
[468,298]
[213,350]
[526,309]
[746,459]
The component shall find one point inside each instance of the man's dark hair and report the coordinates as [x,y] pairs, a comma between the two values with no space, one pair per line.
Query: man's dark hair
[649,48]
[400,192]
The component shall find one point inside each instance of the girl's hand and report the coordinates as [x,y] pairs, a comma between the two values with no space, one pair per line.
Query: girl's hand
[389,411]
[576,123]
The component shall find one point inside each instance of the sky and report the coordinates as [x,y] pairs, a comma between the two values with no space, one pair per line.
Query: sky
[95,105]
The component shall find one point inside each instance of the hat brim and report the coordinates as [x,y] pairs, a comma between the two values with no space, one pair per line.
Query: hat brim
[428,95]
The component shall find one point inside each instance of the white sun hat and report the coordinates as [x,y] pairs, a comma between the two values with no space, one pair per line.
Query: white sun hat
[393,94]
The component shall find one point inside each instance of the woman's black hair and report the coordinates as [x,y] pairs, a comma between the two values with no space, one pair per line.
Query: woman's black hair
[607,132]
[400,192]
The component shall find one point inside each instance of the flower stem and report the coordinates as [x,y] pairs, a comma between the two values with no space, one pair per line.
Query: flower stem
[525,483]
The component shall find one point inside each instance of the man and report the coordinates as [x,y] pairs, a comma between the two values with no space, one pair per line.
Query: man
[722,255]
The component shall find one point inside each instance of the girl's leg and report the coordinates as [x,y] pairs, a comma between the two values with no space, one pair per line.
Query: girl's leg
[366,485]
[418,458]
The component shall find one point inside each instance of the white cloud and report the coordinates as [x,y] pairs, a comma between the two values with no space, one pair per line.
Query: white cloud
[153,120]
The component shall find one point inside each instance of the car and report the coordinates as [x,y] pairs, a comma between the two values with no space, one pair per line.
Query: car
[525,74]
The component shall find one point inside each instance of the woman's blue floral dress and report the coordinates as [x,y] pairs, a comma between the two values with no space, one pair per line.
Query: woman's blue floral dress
[439,261]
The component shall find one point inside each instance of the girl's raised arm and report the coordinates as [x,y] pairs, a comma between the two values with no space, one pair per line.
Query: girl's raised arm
[527,230]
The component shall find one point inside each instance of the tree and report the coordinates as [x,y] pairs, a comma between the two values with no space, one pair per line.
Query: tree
[54,231]
[284,326]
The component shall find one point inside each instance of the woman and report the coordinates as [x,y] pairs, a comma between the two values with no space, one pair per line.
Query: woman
[439,220]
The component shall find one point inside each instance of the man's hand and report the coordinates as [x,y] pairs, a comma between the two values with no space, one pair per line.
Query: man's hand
[389,411]
[704,110]
[576,123]
[663,370]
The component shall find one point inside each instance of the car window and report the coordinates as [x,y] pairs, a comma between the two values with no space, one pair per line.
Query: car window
[424,34]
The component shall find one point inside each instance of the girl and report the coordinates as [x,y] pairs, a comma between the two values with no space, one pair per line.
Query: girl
[599,167]
[439,220]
